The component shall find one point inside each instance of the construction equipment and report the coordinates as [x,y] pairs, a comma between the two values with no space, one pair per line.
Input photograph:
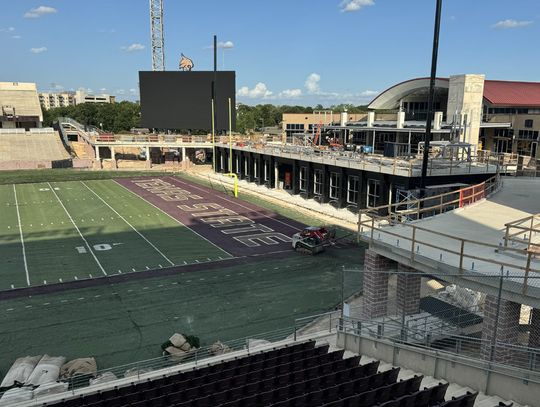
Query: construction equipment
[313,239]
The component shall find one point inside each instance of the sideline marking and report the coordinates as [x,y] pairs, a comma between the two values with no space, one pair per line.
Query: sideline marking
[80,234]
[22,239]
[236,203]
[129,224]
[176,220]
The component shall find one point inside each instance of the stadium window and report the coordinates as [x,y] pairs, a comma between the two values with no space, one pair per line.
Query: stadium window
[352,189]
[303,179]
[529,123]
[373,193]
[317,182]
[334,185]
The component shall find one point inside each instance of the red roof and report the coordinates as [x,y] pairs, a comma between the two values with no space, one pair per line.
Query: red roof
[510,93]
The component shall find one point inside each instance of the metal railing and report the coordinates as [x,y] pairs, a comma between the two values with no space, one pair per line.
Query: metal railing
[522,357]
[433,205]
[409,167]
[521,232]
[143,369]
[467,248]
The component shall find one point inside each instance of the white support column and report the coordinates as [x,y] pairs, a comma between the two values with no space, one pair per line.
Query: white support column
[400,120]
[184,157]
[148,159]
[370,119]
[276,175]
[113,159]
[97,153]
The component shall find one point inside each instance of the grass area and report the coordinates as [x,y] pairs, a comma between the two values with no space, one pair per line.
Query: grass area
[122,323]
[68,174]
[288,212]
[84,229]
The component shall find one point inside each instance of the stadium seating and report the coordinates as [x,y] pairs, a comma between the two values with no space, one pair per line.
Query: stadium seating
[297,375]
[31,146]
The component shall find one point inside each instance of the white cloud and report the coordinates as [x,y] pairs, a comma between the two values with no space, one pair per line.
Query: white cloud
[290,93]
[312,83]
[38,50]
[369,93]
[133,47]
[106,30]
[16,37]
[133,91]
[504,24]
[259,91]
[355,5]
[7,30]
[103,89]
[226,44]
[40,11]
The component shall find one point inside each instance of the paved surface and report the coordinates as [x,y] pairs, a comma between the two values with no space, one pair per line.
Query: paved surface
[238,227]
[481,222]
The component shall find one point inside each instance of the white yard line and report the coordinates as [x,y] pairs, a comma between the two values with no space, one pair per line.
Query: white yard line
[80,234]
[21,233]
[129,224]
[176,220]
[236,203]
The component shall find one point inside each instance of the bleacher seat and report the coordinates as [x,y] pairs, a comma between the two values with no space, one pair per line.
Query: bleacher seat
[297,375]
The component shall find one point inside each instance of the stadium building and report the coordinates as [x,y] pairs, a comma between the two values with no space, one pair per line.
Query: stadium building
[20,106]
[499,116]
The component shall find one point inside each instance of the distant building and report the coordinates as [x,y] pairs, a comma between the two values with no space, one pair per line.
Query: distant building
[56,99]
[19,106]
[50,100]
[82,97]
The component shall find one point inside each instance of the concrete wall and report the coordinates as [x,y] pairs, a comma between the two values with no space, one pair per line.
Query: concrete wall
[507,383]
[465,96]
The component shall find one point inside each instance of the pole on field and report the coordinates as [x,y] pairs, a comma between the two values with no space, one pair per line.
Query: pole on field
[230,137]
[213,106]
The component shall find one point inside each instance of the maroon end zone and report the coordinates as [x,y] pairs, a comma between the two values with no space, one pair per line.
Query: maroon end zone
[238,227]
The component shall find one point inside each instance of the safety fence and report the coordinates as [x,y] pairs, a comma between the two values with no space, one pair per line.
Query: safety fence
[523,357]
[523,233]
[415,209]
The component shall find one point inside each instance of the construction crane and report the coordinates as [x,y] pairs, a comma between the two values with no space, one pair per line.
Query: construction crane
[156,32]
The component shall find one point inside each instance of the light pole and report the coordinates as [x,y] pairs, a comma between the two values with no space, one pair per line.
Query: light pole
[431,94]
[262,128]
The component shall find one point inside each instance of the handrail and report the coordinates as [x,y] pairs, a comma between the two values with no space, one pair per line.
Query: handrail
[490,184]
[528,235]
[415,243]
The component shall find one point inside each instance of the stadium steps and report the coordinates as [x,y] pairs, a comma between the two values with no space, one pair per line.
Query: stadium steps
[32,147]
[80,149]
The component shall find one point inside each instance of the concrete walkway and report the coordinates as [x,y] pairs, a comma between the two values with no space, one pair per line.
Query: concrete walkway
[482,222]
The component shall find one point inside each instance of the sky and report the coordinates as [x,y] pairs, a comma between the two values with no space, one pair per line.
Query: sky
[301,52]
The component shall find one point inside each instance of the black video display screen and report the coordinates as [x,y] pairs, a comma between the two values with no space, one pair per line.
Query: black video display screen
[183,100]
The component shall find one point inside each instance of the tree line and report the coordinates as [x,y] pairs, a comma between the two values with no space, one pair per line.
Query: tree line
[123,116]
[113,117]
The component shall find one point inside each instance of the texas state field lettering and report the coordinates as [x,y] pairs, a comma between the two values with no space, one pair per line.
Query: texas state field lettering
[245,230]
[166,191]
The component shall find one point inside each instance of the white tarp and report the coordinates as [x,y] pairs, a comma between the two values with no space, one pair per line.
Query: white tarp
[47,370]
[51,388]
[20,371]
[16,395]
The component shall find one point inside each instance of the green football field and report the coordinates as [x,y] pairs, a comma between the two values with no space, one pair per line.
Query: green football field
[55,232]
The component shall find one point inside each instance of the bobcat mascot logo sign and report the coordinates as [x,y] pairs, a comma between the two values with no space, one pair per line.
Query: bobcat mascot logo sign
[186,64]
